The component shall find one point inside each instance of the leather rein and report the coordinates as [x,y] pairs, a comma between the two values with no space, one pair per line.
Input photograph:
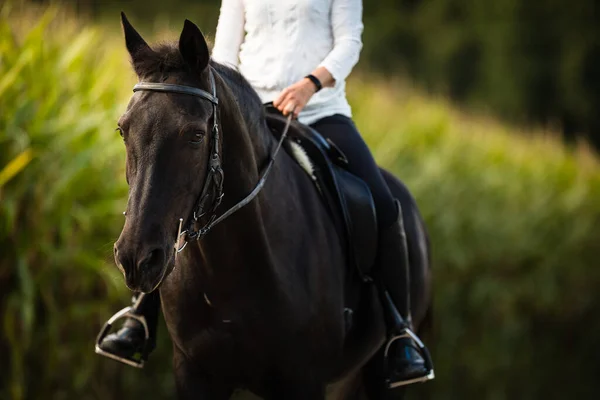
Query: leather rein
[212,191]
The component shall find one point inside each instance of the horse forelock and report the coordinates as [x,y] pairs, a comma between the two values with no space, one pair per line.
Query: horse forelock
[162,59]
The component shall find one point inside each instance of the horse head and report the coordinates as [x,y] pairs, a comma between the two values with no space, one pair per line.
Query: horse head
[168,136]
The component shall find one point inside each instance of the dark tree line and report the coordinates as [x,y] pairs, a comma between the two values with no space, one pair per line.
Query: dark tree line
[526,61]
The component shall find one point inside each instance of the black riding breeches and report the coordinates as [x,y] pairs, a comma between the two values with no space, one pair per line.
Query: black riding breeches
[342,131]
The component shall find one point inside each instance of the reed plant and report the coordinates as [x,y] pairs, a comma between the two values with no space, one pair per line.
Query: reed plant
[61,193]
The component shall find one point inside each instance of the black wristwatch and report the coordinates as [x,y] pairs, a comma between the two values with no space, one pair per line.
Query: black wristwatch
[315,80]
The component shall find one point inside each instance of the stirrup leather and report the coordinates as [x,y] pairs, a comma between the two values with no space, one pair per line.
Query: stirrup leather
[127,312]
[407,333]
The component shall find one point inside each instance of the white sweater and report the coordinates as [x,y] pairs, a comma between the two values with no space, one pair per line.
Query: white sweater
[275,43]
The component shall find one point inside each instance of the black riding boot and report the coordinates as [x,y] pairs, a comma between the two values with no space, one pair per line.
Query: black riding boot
[405,352]
[130,339]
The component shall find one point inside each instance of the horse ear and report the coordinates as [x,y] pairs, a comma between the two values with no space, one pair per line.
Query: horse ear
[193,47]
[133,40]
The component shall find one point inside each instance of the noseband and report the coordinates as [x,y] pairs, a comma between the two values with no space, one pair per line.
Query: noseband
[213,183]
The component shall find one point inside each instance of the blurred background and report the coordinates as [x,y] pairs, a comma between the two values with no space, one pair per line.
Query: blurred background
[489,111]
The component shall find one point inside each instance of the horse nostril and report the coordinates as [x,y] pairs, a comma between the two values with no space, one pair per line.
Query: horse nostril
[118,260]
[125,264]
[155,258]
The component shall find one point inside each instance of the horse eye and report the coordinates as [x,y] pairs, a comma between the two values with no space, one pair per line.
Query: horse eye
[197,137]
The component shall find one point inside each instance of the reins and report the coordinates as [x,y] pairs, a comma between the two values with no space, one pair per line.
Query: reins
[213,184]
[259,185]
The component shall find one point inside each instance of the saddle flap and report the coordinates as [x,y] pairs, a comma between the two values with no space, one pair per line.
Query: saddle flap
[361,219]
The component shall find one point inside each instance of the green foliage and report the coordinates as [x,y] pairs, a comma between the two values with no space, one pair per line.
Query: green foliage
[61,193]
[514,227]
[514,224]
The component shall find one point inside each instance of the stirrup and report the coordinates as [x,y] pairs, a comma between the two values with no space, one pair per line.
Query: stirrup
[424,353]
[127,312]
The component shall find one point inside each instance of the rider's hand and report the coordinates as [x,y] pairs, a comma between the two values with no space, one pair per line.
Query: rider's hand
[295,97]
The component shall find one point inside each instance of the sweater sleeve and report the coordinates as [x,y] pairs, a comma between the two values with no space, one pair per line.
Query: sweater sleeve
[230,33]
[347,25]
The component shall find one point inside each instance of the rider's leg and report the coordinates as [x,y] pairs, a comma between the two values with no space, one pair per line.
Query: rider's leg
[393,269]
[130,339]
[342,131]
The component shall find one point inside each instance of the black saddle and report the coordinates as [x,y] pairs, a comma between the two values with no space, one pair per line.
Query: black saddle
[347,197]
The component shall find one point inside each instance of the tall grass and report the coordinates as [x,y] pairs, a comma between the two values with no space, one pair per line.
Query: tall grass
[514,225]
[61,188]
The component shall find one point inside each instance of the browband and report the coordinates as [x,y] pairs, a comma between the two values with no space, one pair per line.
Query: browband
[171,88]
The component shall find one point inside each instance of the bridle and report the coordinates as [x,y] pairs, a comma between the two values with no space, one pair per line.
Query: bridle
[212,191]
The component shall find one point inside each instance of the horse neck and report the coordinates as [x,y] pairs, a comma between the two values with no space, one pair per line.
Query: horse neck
[251,258]
[241,239]
[246,150]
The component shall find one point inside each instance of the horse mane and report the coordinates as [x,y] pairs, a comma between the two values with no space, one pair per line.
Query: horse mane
[165,59]
[246,97]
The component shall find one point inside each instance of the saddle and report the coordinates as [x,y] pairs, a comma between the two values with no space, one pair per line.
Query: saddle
[347,197]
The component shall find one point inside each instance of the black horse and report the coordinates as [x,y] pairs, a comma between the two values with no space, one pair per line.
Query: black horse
[259,302]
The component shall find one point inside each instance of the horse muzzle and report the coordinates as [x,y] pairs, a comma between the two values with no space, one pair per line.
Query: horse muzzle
[145,271]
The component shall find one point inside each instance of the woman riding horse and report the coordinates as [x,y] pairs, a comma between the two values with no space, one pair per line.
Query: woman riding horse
[297,55]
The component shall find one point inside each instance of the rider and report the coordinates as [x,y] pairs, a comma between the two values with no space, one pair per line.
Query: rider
[297,54]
